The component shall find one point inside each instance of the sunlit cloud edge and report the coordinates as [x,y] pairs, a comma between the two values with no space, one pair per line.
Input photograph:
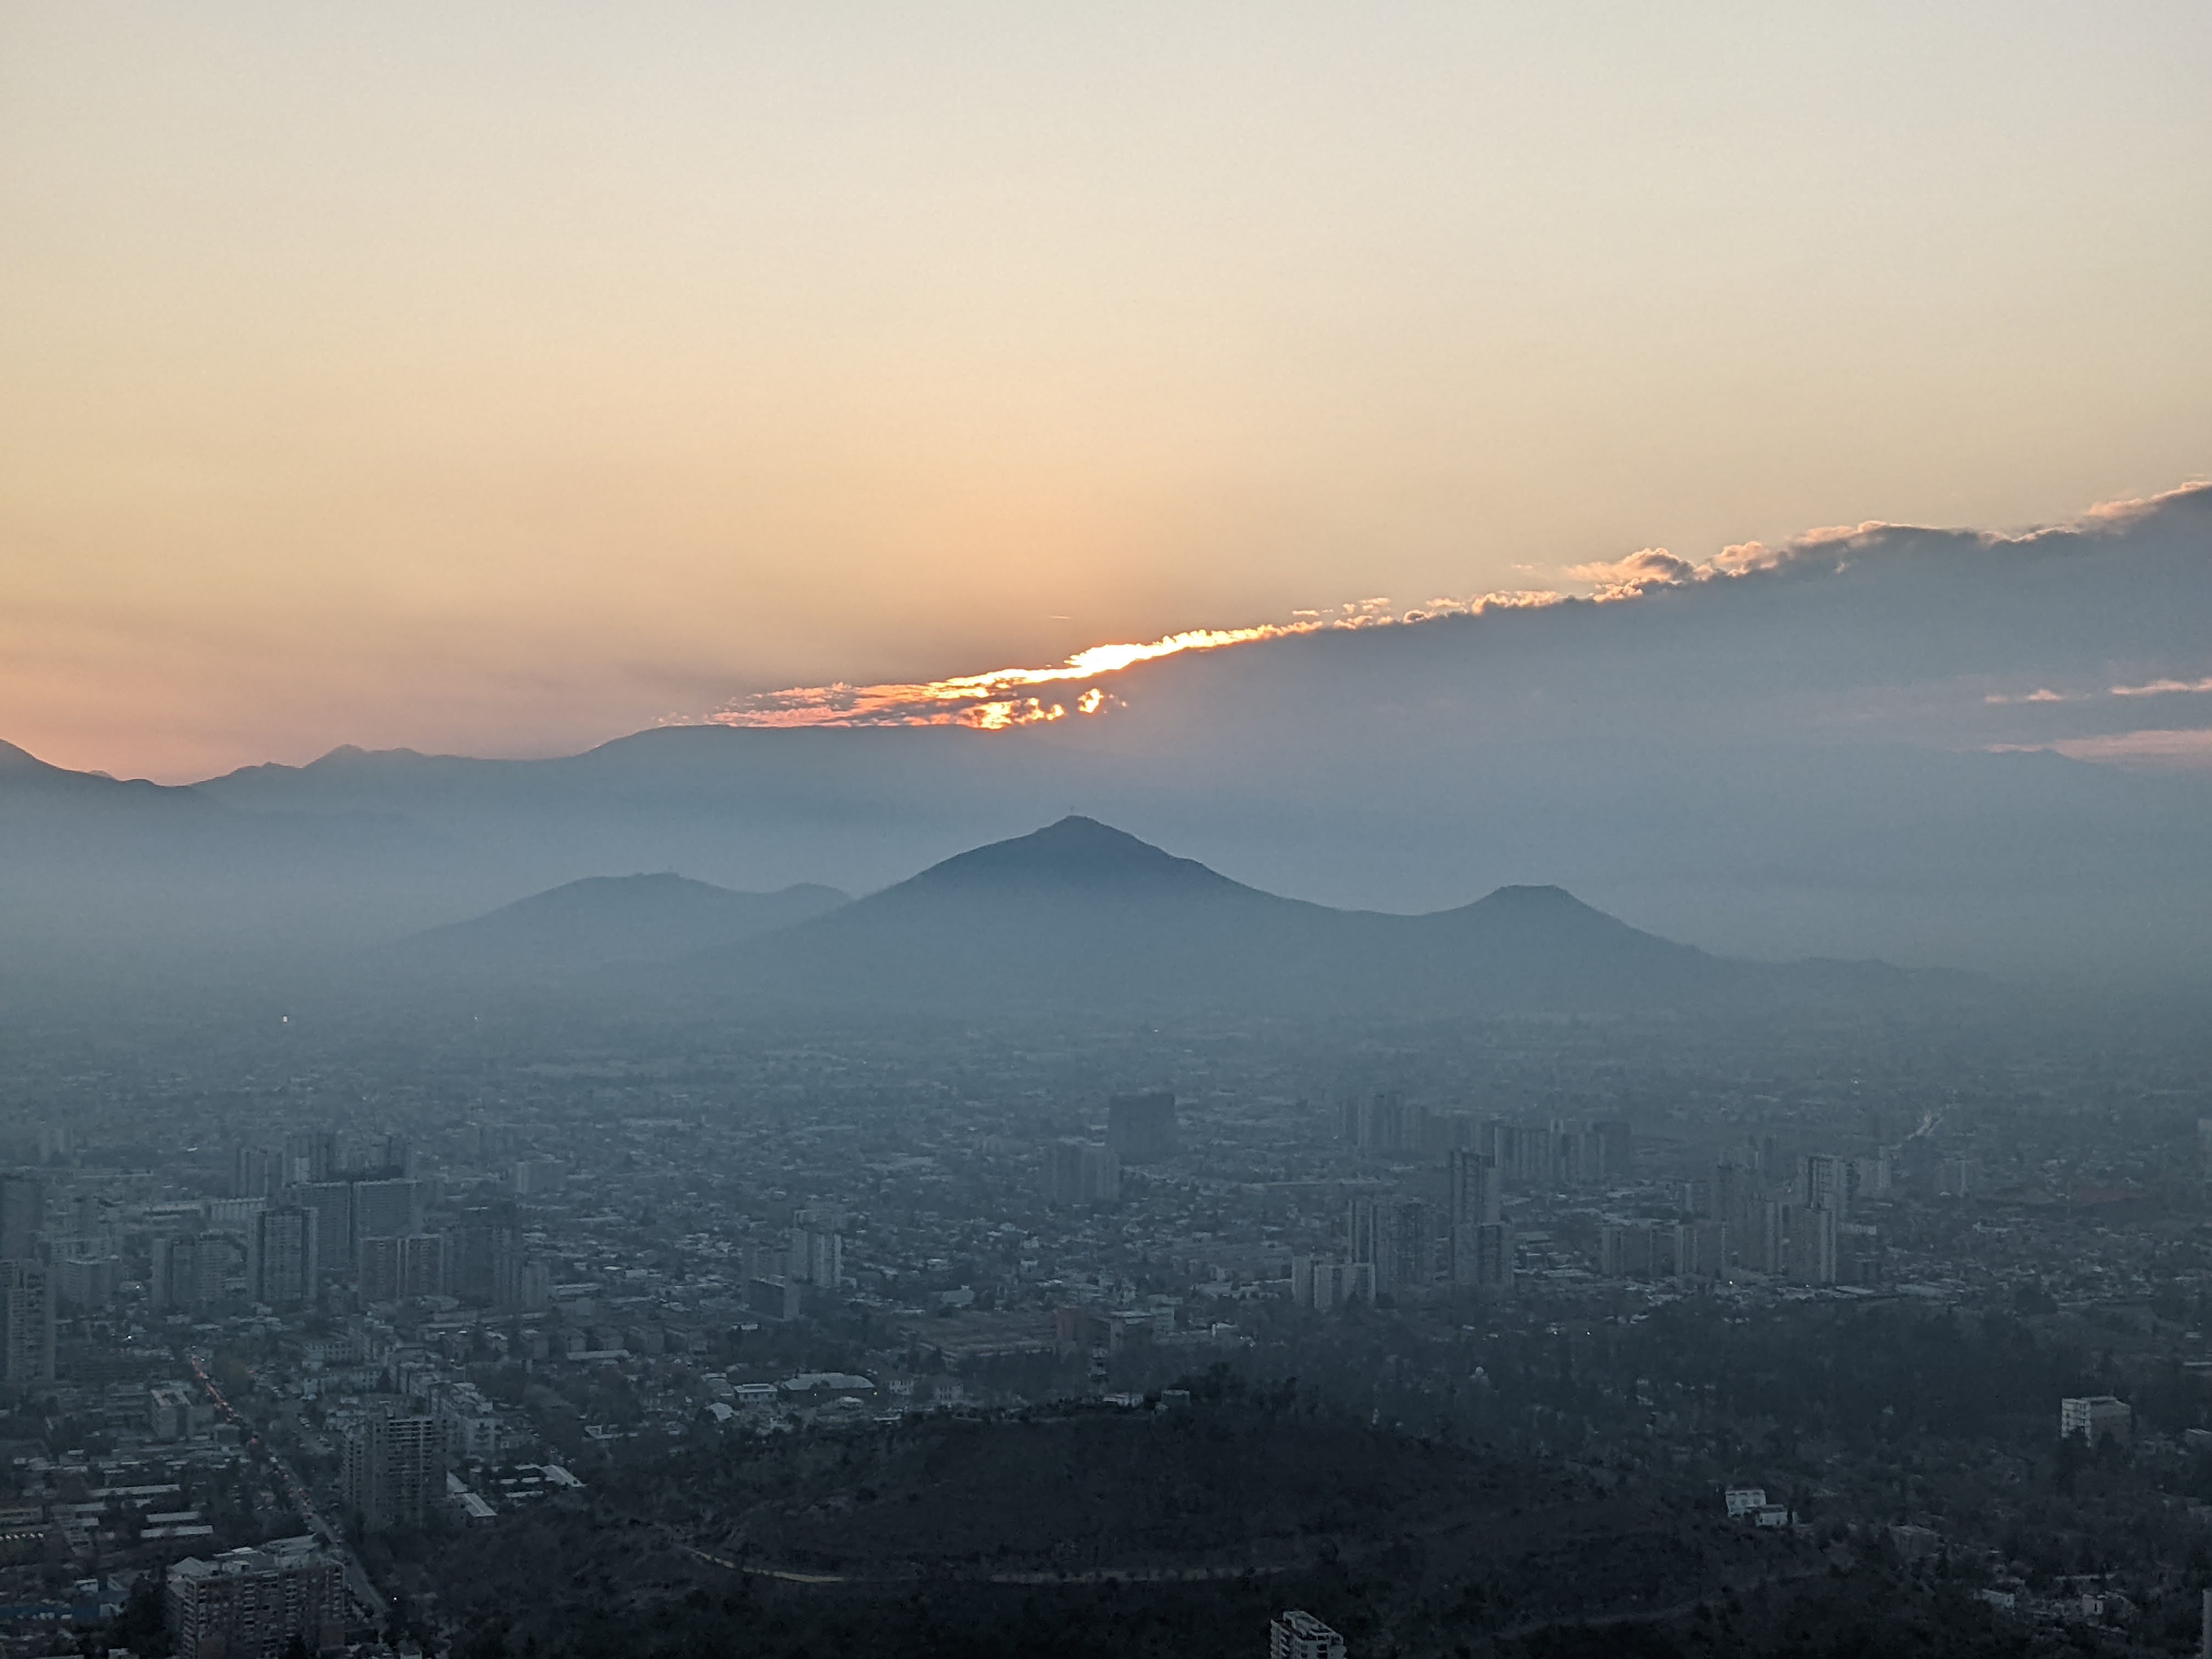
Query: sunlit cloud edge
[1003,699]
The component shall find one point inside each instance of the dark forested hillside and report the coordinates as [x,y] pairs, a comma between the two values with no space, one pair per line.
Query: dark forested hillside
[1095,1530]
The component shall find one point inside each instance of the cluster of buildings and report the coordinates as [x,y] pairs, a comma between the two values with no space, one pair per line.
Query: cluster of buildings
[1140,1128]
[1558,1151]
[1403,1246]
[448,1287]
[1797,1227]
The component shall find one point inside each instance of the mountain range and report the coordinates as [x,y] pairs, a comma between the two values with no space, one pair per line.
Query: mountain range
[1081,920]
[1941,749]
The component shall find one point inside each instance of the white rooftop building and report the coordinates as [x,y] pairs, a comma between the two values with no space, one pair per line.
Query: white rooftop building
[2092,1416]
[1302,1636]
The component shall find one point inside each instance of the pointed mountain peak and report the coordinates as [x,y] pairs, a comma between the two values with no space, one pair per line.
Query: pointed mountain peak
[1076,851]
[1548,918]
[1076,832]
[1535,901]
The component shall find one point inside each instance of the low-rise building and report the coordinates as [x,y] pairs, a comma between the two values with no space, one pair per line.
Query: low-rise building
[175,1411]
[1297,1635]
[2094,1417]
[1325,1286]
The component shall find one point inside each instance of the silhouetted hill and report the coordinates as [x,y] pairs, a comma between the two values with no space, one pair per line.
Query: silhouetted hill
[28,784]
[1079,916]
[603,919]
[1256,1485]
[1090,1534]
[17,763]
[1077,856]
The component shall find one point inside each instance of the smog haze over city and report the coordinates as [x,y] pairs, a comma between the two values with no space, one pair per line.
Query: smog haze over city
[1291,830]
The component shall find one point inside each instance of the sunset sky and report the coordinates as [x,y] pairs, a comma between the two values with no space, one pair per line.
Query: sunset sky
[501,379]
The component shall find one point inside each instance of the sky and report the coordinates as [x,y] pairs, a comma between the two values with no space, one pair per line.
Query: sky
[501,379]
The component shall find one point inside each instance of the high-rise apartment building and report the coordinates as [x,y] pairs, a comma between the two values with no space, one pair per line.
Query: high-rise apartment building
[311,1157]
[817,1247]
[473,1251]
[232,1215]
[1624,1252]
[255,1172]
[1823,1182]
[1714,1248]
[487,1143]
[1578,1155]
[1761,1241]
[1727,1192]
[1325,1286]
[395,1467]
[1475,1198]
[1082,1172]
[188,1271]
[385,1209]
[1397,1236]
[27,1324]
[394,1155]
[331,1203]
[280,1262]
[1663,1249]
[535,1177]
[1379,1123]
[256,1603]
[394,1269]
[1485,1259]
[1527,1155]
[1409,1233]
[1475,1190]
[518,1280]
[88,1283]
[22,1212]
[1812,1247]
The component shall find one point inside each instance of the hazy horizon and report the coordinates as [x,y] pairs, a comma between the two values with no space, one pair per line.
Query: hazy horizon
[1009,697]
[1935,748]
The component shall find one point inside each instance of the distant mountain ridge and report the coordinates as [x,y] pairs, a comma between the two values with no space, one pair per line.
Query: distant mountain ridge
[601,921]
[1080,917]
[1924,746]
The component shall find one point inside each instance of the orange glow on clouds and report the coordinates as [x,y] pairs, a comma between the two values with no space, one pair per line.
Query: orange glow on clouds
[985,701]
[979,700]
